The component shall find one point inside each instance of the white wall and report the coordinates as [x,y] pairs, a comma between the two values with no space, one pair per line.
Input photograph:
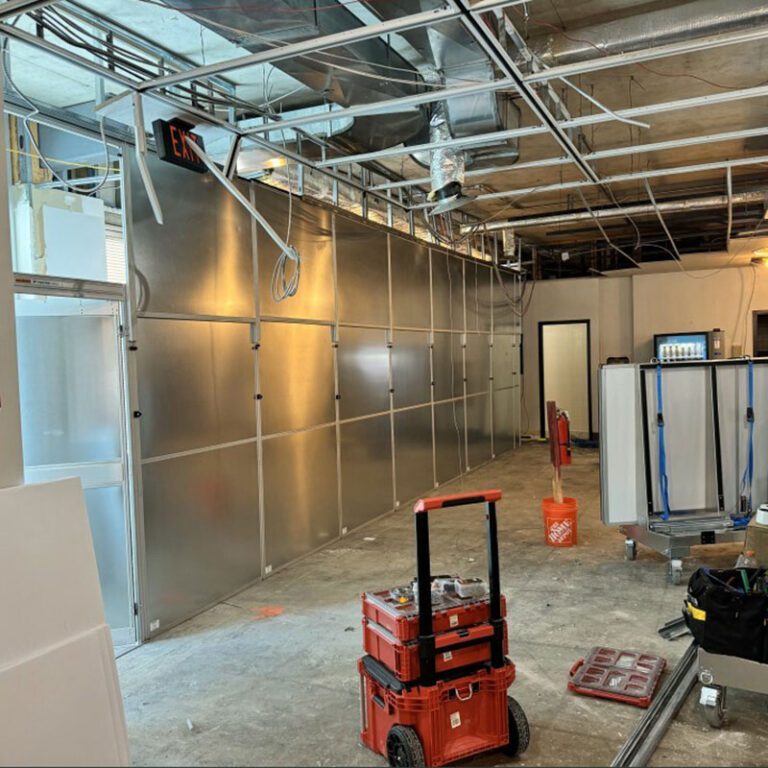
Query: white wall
[606,303]
[616,318]
[678,302]
[625,313]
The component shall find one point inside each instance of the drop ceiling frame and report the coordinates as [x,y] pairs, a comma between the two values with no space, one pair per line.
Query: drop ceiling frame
[511,78]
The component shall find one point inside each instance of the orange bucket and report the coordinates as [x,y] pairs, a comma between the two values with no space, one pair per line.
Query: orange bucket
[560,521]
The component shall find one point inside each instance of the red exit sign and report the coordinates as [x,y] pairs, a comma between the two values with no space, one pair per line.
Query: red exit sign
[171,140]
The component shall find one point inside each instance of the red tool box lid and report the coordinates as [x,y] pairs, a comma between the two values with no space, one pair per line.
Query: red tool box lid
[609,673]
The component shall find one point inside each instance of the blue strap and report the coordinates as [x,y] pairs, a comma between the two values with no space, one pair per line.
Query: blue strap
[663,480]
[746,478]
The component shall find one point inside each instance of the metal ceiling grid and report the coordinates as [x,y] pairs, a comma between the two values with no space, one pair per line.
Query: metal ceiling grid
[708,151]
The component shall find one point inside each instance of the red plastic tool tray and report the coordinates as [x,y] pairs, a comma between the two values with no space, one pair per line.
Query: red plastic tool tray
[449,612]
[626,676]
[403,658]
[453,719]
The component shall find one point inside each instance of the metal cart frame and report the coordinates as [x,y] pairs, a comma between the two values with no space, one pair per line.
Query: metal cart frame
[717,673]
[674,537]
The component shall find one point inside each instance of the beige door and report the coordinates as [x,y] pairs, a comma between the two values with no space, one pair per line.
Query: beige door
[565,371]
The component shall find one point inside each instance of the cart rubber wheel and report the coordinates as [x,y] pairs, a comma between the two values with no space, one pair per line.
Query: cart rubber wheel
[404,747]
[715,715]
[519,730]
[675,572]
[630,549]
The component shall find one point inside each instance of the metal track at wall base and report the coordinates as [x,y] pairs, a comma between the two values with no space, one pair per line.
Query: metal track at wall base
[648,733]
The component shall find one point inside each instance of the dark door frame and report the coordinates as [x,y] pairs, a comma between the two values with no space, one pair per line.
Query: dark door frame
[756,313]
[542,404]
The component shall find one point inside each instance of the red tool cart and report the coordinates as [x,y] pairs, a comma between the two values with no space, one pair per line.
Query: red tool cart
[434,683]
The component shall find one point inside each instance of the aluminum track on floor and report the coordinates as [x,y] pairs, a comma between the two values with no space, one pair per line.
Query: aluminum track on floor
[648,733]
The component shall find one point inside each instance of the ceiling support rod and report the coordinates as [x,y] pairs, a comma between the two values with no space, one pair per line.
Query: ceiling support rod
[650,54]
[479,30]
[141,158]
[231,187]
[603,154]
[627,177]
[495,137]
[671,206]
[12,8]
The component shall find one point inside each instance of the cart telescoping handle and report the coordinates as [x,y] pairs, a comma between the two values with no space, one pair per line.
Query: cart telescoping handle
[427,650]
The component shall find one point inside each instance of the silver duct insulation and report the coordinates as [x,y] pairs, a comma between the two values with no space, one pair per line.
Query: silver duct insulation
[678,206]
[696,18]
[350,74]
[446,166]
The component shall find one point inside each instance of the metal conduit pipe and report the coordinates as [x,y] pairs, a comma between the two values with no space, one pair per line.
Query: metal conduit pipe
[683,22]
[696,204]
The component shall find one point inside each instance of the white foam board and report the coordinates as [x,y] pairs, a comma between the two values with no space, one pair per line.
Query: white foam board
[63,706]
[60,701]
[49,584]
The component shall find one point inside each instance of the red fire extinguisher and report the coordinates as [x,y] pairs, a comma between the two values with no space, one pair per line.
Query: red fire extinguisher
[564,436]
[559,426]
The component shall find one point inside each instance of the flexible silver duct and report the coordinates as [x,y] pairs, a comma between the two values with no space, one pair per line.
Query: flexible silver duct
[688,20]
[446,166]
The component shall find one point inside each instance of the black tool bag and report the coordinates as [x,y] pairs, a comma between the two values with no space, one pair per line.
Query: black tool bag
[726,618]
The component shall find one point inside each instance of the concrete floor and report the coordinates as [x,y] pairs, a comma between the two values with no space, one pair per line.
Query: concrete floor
[268,677]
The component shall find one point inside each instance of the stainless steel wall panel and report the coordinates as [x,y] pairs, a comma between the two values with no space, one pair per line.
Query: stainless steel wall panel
[479,300]
[447,291]
[506,428]
[448,362]
[300,493]
[296,376]
[506,314]
[200,260]
[363,372]
[201,528]
[362,273]
[366,470]
[71,411]
[410,283]
[410,368]
[311,234]
[450,453]
[478,429]
[413,453]
[505,355]
[478,362]
[196,384]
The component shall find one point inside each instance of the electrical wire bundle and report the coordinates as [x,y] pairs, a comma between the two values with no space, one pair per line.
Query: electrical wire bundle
[34,111]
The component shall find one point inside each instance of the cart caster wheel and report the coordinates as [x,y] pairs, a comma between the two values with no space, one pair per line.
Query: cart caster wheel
[675,572]
[404,747]
[712,700]
[630,549]
[519,731]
